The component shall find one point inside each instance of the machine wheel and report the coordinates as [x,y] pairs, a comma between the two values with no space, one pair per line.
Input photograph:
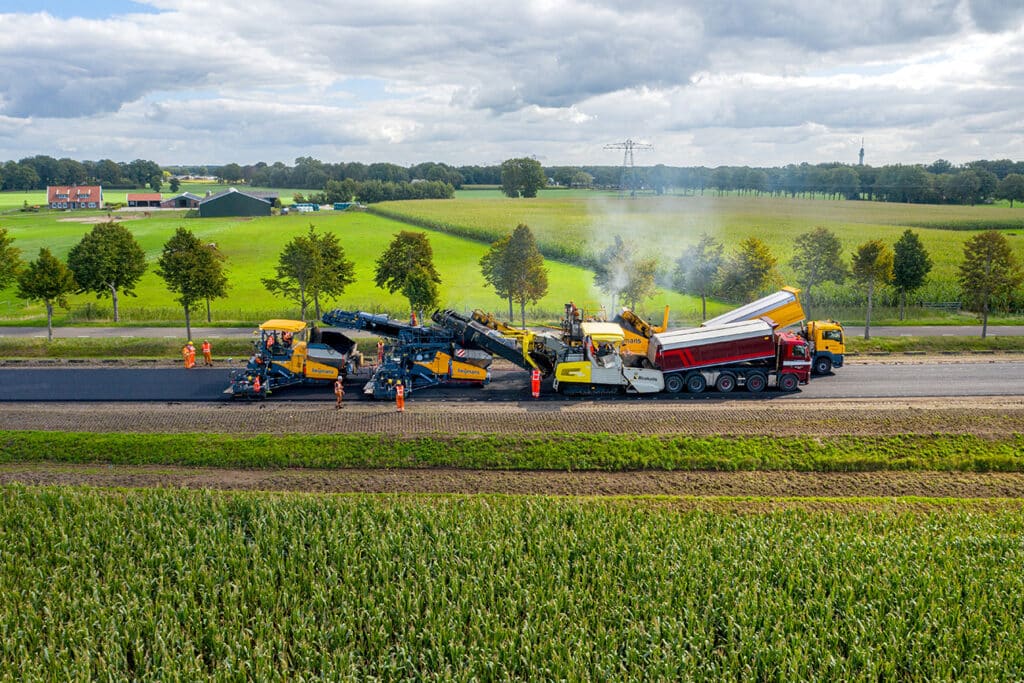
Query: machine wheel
[695,383]
[725,383]
[756,383]
[674,384]
[788,382]
[822,365]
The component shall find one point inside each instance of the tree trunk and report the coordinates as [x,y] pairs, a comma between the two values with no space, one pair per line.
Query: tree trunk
[49,321]
[316,305]
[703,307]
[867,317]
[113,297]
[302,302]
[188,324]
[209,318]
[903,302]
[984,318]
[522,312]
[511,316]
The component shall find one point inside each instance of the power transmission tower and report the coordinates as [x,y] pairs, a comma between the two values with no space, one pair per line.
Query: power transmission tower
[628,176]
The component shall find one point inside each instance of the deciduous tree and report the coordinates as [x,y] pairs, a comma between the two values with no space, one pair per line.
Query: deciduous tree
[696,271]
[192,270]
[872,266]
[522,177]
[495,268]
[1011,188]
[749,271]
[311,266]
[108,262]
[817,258]
[911,265]
[406,266]
[990,271]
[10,260]
[48,280]
[525,266]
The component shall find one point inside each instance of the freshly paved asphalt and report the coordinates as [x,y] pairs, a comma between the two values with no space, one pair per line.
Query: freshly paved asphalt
[246,332]
[872,380]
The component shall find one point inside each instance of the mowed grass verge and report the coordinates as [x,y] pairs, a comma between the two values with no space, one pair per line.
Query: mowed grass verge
[220,586]
[554,451]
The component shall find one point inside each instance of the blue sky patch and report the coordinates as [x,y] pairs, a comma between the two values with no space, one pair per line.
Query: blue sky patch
[66,9]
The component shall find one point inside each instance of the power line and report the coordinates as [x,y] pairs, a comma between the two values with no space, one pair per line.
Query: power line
[628,175]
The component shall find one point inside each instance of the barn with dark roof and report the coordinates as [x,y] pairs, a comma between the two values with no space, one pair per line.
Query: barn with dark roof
[232,202]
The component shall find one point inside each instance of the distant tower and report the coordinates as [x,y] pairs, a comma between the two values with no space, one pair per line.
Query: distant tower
[861,162]
[628,176]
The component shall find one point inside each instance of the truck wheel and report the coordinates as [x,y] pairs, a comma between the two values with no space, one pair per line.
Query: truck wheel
[696,383]
[673,384]
[788,382]
[822,365]
[725,383]
[756,383]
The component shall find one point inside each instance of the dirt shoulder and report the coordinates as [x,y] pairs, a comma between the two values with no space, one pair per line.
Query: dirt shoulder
[935,485]
[987,417]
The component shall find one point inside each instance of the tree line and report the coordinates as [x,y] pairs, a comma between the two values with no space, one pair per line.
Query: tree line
[39,172]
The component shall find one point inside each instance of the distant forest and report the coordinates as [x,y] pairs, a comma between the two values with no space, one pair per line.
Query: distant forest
[940,182]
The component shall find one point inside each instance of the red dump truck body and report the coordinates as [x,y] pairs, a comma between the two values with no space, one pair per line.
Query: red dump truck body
[734,354]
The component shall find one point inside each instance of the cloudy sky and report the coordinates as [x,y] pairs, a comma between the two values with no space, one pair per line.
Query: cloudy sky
[758,82]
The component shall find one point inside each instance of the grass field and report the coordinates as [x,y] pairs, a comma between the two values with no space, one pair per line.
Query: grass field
[160,584]
[572,224]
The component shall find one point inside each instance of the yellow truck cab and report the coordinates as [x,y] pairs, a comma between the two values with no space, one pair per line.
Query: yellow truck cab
[288,348]
[827,343]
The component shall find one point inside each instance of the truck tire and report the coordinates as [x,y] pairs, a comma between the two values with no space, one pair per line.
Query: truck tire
[756,382]
[674,384]
[822,365]
[695,383]
[788,381]
[725,383]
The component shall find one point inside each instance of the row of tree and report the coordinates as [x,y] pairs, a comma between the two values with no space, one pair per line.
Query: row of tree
[989,273]
[373,191]
[39,172]
[109,262]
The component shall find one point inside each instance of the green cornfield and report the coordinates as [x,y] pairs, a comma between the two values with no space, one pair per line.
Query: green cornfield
[177,585]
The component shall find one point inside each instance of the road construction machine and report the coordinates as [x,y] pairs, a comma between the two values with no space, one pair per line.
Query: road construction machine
[747,354]
[783,309]
[288,353]
[415,356]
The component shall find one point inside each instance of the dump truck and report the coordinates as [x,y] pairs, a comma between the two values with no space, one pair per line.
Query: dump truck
[750,354]
[783,309]
[288,353]
[746,354]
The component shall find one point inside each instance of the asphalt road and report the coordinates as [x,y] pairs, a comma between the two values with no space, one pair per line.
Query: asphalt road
[874,380]
[246,332]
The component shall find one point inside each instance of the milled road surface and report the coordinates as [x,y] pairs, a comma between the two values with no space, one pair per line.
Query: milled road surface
[893,379]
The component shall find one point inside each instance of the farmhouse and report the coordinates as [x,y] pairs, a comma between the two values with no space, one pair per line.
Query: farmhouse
[74,196]
[231,202]
[185,200]
[144,199]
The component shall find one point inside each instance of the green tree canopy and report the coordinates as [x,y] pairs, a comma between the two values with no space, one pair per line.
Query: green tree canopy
[522,177]
[495,268]
[696,271]
[872,267]
[192,270]
[174,184]
[818,258]
[750,271]
[409,259]
[108,262]
[10,260]
[989,272]
[525,266]
[311,266]
[48,280]
[1011,188]
[911,265]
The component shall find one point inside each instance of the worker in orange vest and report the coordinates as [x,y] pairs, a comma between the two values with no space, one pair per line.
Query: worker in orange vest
[184,355]
[400,397]
[207,358]
[339,392]
[189,354]
[256,385]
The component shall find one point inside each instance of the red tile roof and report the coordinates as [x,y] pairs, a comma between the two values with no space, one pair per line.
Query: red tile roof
[144,197]
[74,193]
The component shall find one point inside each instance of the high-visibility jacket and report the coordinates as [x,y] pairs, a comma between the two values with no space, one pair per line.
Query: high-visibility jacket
[206,348]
